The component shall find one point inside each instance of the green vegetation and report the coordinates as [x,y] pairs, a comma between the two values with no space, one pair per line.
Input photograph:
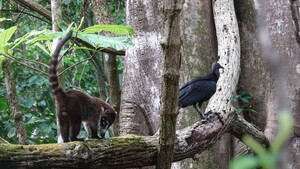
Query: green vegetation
[27,40]
[265,158]
[245,98]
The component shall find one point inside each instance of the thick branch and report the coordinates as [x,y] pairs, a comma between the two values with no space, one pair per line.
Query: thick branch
[36,7]
[118,152]
[241,127]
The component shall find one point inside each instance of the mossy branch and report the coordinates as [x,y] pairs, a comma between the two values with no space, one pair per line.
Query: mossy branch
[120,152]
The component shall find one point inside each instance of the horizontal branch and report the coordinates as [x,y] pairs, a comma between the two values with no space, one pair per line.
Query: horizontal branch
[119,152]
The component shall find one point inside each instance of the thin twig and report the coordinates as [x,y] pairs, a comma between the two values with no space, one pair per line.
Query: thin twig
[60,58]
[82,74]
[33,61]
[18,11]
[9,57]
[80,62]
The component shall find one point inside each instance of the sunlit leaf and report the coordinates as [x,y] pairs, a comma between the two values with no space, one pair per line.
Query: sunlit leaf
[6,35]
[27,36]
[97,41]
[43,48]
[3,19]
[117,29]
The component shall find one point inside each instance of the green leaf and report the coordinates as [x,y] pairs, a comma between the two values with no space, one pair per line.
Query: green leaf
[117,29]
[47,36]
[6,35]
[38,44]
[4,49]
[97,41]
[245,162]
[254,145]
[286,123]
[3,103]
[244,100]
[3,19]
[29,103]
[252,111]
[236,97]
[32,79]
[240,110]
[81,22]
[27,36]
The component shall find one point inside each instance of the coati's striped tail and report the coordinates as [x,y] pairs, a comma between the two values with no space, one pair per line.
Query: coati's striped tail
[56,90]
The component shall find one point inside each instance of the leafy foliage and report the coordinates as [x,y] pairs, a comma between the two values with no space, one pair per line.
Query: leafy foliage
[266,158]
[245,98]
[117,43]
[32,43]
[117,29]
[5,37]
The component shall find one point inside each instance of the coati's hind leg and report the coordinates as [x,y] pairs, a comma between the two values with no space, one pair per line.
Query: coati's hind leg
[64,127]
[75,129]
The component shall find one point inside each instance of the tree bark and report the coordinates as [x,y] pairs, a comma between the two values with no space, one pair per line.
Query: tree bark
[13,102]
[57,17]
[171,53]
[282,23]
[199,52]
[142,83]
[228,38]
[281,51]
[124,151]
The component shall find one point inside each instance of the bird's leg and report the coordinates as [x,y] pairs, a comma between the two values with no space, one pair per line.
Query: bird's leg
[207,114]
[199,111]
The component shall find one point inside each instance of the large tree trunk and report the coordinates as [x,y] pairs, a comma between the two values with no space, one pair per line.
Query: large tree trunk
[13,102]
[283,23]
[57,17]
[199,52]
[141,91]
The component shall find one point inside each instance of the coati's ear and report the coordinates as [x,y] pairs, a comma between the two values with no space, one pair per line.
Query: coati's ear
[107,111]
[110,112]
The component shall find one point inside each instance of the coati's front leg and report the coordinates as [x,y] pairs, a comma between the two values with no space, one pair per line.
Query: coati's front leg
[93,123]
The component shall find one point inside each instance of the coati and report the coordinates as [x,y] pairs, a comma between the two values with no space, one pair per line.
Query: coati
[73,107]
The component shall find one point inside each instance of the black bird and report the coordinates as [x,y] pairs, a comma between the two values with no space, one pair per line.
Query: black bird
[199,89]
